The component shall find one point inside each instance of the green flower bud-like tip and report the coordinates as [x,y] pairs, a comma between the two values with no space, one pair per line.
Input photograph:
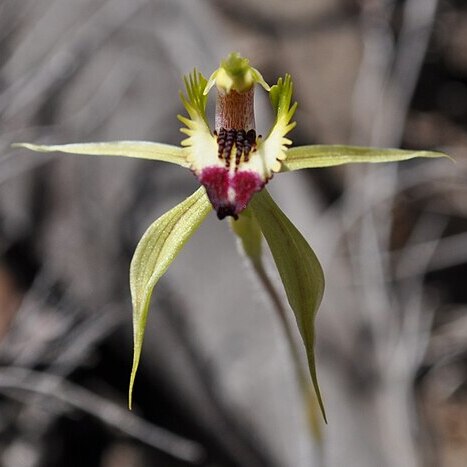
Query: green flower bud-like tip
[235,74]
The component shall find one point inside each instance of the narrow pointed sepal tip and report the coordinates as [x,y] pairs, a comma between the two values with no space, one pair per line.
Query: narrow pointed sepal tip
[132,385]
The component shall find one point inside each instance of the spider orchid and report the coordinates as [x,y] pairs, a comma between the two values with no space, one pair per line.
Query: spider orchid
[233,164]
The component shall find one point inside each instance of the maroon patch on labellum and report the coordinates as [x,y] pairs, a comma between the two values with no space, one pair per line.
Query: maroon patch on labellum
[246,184]
[218,181]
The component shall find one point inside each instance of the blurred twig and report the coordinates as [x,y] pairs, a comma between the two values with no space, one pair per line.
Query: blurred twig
[51,386]
[418,19]
[64,59]
[397,327]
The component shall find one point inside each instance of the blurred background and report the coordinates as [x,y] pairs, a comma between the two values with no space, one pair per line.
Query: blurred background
[216,385]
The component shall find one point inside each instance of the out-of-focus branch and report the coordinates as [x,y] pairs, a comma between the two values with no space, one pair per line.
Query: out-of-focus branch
[35,82]
[378,55]
[54,387]
[395,319]
[417,26]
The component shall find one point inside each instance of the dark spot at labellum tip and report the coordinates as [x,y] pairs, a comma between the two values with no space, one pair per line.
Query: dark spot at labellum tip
[228,192]
[224,211]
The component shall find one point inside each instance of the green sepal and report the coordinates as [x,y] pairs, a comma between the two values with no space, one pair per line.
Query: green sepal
[315,156]
[134,149]
[156,250]
[249,234]
[299,270]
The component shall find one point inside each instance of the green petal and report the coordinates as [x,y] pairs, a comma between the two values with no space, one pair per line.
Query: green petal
[299,269]
[156,250]
[135,149]
[309,157]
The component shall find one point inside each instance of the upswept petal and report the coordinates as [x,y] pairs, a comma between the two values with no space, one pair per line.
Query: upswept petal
[299,269]
[156,250]
[315,156]
[135,149]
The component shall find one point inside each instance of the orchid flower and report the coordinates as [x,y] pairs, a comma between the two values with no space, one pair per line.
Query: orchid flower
[233,164]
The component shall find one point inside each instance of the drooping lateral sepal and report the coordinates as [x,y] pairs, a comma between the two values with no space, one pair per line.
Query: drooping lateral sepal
[299,270]
[156,250]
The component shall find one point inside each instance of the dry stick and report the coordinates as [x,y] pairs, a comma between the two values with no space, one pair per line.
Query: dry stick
[374,67]
[381,122]
[81,40]
[417,27]
[416,322]
[110,413]
[395,399]
[86,335]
